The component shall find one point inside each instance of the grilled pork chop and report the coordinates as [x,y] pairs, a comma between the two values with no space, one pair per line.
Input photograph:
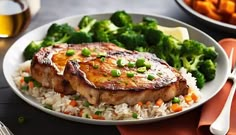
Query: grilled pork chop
[92,76]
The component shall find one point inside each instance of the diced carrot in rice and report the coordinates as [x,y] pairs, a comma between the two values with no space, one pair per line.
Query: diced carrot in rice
[73,103]
[159,102]
[31,85]
[188,98]
[140,103]
[98,117]
[176,107]
[194,97]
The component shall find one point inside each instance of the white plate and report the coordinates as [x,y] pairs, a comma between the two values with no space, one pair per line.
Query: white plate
[211,22]
[14,57]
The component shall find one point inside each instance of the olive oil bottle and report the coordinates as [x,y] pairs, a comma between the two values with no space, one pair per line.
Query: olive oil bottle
[14,17]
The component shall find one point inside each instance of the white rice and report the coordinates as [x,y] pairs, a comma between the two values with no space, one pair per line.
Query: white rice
[61,103]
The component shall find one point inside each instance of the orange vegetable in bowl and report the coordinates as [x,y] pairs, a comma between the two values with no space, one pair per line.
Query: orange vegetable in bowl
[220,10]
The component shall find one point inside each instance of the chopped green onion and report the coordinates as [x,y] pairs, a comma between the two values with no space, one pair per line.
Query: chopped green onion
[86,52]
[135,115]
[140,62]
[115,72]
[70,52]
[25,87]
[150,77]
[131,64]
[75,97]
[98,112]
[102,59]
[130,74]
[86,104]
[21,119]
[99,55]
[86,115]
[95,66]
[175,100]
[147,64]
[37,84]
[48,106]
[121,62]
[27,79]
[141,69]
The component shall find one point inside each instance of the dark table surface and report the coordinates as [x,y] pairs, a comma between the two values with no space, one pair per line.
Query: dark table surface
[40,123]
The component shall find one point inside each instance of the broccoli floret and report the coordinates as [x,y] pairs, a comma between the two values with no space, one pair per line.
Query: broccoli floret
[104,30]
[31,49]
[210,53]
[121,18]
[86,24]
[159,50]
[131,40]
[80,37]
[58,31]
[191,63]
[192,47]
[153,36]
[171,45]
[116,42]
[208,68]
[147,23]
[142,49]
[175,61]
[199,78]
[48,41]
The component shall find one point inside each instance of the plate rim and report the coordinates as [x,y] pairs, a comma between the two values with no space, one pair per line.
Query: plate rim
[91,121]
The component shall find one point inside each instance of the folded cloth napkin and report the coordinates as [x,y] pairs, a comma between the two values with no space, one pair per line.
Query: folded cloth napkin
[195,122]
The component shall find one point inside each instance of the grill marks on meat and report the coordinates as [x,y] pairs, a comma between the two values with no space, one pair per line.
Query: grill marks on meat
[54,69]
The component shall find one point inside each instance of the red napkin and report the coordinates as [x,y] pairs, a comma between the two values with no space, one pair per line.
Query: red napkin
[196,122]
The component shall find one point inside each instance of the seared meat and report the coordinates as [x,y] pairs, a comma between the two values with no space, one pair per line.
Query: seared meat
[91,76]
[48,64]
[98,85]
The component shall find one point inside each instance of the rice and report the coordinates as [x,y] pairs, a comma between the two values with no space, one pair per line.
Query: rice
[81,108]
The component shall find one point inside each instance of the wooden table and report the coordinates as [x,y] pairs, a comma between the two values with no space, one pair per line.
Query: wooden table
[40,123]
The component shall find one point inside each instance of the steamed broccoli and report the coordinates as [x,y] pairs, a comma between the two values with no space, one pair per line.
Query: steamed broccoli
[86,24]
[208,68]
[121,18]
[104,30]
[31,49]
[131,40]
[153,36]
[80,37]
[210,53]
[58,31]
[200,78]
[83,35]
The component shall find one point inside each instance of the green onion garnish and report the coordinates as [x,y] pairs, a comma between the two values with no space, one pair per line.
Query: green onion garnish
[48,106]
[175,100]
[141,69]
[150,77]
[121,62]
[131,64]
[27,79]
[95,66]
[102,59]
[130,74]
[86,52]
[98,112]
[86,104]
[140,62]
[115,72]
[135,115]
[70,52]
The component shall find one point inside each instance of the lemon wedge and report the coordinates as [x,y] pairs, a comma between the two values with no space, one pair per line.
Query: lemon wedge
[179,33]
